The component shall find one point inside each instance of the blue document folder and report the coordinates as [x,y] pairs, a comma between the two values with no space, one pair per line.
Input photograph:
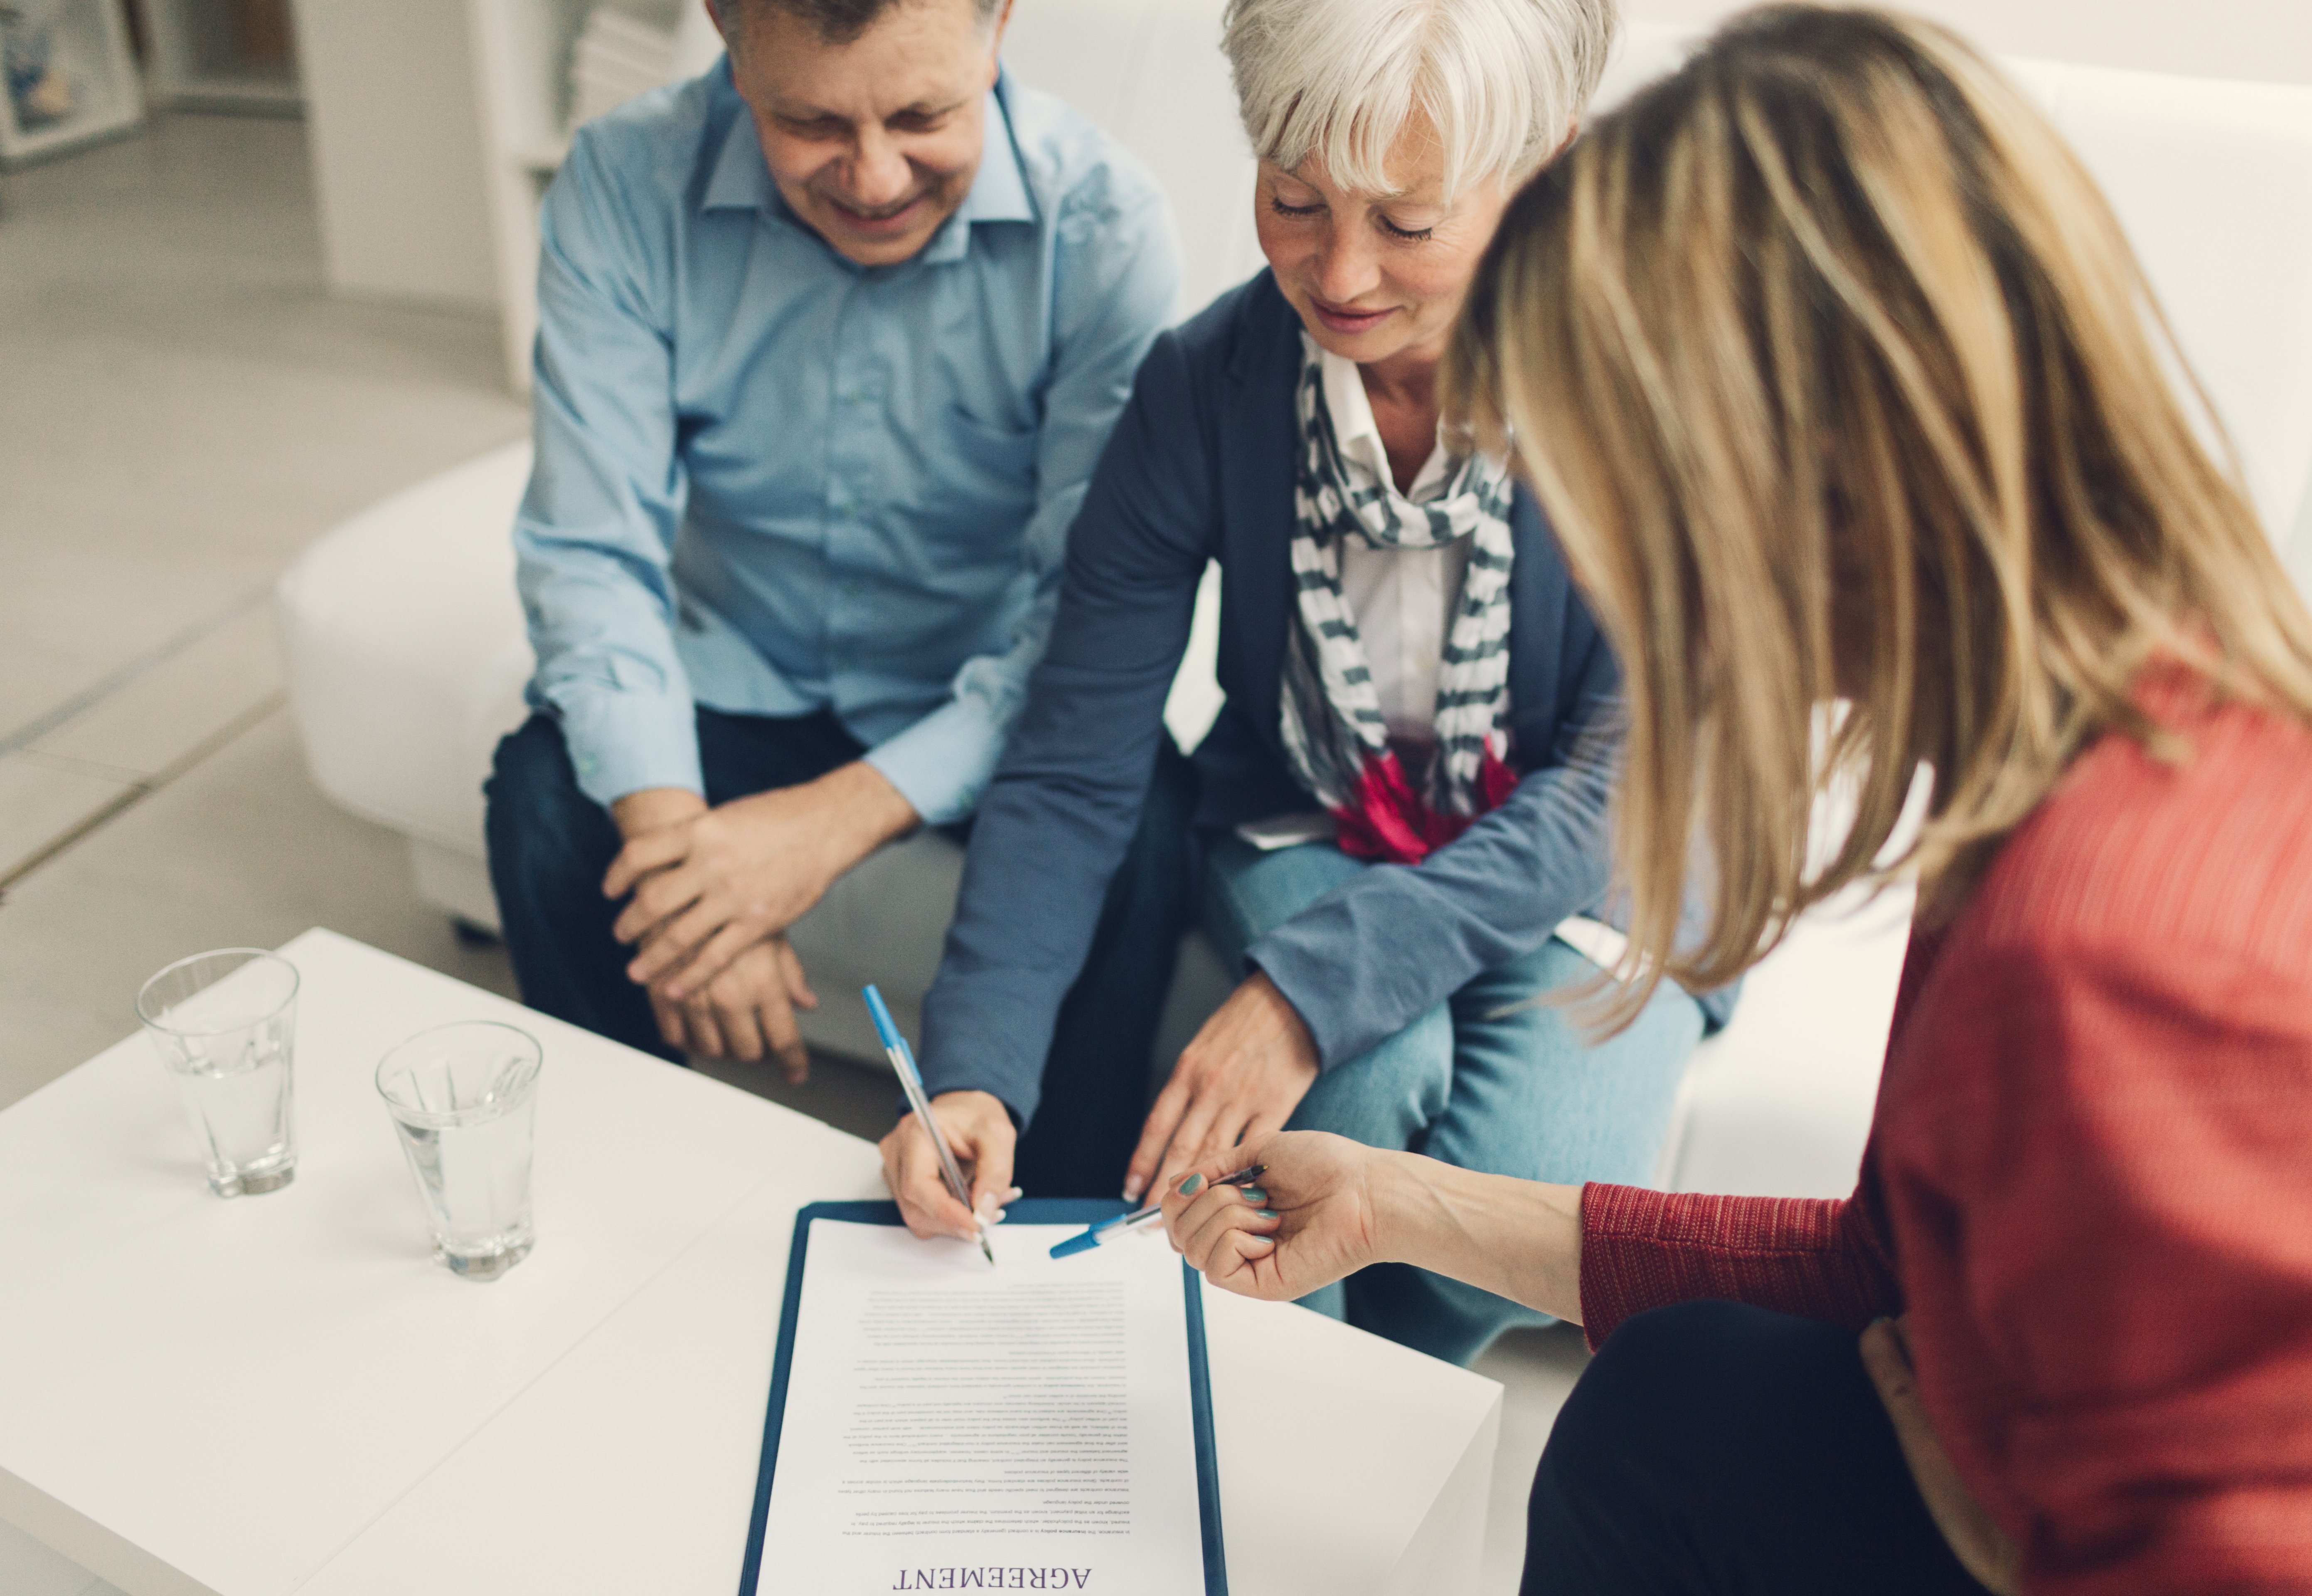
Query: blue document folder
[1028,1211]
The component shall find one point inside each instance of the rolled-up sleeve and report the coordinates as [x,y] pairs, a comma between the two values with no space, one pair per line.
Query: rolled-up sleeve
[606,491]
[1116,269]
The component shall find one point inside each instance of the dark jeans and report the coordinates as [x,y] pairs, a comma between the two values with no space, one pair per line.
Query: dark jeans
[1717,1447]
[551,846]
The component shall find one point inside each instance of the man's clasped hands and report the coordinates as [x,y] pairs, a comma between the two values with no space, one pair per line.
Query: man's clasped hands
[710,890]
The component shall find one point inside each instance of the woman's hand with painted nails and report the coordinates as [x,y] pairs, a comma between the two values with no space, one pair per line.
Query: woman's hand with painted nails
[1309,1222]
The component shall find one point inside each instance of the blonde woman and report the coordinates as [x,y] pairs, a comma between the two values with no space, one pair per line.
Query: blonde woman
[1400,824]
[1834,372]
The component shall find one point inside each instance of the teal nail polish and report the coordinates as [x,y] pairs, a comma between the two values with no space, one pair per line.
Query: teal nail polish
[1263,1214]
[1192,1185]
[1252,1193]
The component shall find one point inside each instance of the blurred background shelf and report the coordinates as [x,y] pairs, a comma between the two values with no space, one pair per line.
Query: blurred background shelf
[70,77]
[436,126]
[536,79]
[224,56]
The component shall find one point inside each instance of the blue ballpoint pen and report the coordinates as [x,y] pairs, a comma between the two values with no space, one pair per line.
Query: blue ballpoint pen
[903,1064]
[1132,1223]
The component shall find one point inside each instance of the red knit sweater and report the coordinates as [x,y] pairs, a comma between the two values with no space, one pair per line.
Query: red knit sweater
[2089,1178]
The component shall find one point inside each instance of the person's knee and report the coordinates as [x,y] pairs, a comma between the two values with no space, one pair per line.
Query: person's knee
[531,765]
[1390,1096]
[1537,1099]
[1634,1404]
[1629,1455]
[542,831]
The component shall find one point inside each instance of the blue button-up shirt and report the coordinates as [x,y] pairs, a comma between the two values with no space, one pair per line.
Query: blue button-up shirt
[771,481]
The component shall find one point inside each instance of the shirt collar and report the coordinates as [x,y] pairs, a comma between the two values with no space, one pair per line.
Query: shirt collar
[1359,434]
[999,190]
[741,180]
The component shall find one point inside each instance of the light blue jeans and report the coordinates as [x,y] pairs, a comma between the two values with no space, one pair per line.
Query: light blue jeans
[1478,1081]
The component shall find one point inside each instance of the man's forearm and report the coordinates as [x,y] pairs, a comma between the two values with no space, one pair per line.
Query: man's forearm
[653,809]
[1517,1239]
[866,811]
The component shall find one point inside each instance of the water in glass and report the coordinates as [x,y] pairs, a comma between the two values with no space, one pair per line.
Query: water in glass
[224,1023]
[464,1099]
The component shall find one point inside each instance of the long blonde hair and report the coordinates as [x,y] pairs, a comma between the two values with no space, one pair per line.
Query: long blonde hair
[1839,381]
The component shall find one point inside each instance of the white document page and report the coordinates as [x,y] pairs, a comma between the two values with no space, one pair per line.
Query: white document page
[951,1426]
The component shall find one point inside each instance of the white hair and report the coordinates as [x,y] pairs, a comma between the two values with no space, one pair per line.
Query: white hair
[1503,81]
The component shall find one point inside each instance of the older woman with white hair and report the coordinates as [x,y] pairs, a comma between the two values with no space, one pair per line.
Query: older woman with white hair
[1404,803]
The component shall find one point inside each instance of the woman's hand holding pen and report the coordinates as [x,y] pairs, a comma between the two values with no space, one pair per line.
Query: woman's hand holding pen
[1310,1221]
[1328,1206]
[978,1130]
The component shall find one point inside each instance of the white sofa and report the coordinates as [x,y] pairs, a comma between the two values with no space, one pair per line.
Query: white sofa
[407,656]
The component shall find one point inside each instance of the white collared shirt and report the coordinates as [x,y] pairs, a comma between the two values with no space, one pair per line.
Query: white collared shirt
[1402,599]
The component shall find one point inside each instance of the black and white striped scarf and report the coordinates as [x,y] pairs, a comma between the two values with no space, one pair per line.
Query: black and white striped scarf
[1334,733]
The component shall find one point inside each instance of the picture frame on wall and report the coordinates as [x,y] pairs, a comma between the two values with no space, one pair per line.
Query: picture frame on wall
[67,76]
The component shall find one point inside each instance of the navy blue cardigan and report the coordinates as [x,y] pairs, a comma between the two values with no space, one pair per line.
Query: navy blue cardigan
[1201,467]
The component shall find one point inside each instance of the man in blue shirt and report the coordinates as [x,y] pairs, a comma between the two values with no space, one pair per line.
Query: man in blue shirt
[829,341]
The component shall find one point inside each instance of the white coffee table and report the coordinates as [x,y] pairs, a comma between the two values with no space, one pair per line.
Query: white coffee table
[284,1394]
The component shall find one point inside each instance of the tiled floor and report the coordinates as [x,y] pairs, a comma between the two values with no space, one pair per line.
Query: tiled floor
[184,408]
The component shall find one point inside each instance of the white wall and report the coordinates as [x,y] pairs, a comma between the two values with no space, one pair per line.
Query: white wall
[397,145]
[2266,39]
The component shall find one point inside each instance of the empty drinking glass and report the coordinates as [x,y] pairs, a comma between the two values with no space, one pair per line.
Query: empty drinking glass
[225,1022]
[464,1098]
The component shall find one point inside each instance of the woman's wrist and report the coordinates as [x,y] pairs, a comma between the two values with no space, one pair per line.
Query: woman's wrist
[1518,1238]
[1411,1216]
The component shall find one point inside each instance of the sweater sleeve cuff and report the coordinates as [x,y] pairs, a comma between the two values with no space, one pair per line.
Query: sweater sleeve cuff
[622,743]
[968,1047]
[1614,1284]
[1642,1249]
[1304,979]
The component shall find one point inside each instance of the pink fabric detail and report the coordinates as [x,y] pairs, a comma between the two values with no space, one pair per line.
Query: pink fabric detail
[1386,821]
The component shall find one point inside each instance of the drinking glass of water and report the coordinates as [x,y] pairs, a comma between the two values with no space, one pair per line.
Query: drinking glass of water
[223,1023]
[465,1099]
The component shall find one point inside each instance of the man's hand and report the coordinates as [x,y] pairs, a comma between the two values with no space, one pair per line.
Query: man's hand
[708,887]
[1983,1549]
[1239,1081]
[745,1010]
[979,1131]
